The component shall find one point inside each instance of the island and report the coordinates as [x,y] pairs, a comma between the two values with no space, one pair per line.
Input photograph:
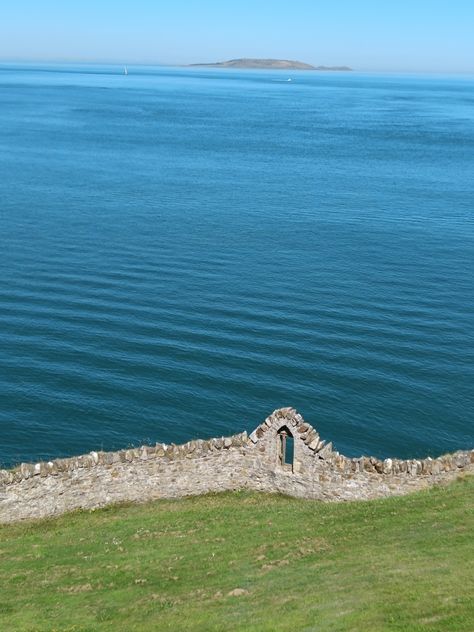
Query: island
[269,64]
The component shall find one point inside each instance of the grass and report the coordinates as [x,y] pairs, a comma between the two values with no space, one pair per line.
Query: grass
[243,561]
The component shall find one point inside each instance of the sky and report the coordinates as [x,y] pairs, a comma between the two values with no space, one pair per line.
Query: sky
[368,35]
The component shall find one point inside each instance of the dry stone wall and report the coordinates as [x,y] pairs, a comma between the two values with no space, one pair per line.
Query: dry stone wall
[227,463]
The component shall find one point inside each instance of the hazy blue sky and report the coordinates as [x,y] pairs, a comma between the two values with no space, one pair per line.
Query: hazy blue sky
[432,35]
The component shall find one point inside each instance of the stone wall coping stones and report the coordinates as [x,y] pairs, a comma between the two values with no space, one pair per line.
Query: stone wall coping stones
[199,448]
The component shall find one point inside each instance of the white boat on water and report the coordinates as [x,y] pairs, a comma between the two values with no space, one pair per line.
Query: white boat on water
[125,70]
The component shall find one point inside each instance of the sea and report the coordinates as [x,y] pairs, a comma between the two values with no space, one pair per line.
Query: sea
[185,250]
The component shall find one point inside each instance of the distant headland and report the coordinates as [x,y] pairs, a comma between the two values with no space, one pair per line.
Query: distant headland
[269,64]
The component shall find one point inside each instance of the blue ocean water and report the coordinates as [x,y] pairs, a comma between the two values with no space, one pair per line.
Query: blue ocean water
[182,251]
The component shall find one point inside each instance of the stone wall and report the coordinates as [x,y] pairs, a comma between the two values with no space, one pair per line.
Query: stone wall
[228,463]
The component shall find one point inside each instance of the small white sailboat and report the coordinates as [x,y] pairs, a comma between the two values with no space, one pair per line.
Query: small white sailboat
[125,70]
[288,79]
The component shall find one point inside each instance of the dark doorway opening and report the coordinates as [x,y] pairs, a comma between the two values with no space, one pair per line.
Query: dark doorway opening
[286,448]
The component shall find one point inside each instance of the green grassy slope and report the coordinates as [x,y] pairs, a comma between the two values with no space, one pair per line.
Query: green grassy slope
[246,562]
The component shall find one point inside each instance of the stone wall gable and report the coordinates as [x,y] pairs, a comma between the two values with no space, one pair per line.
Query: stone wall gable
[303,432]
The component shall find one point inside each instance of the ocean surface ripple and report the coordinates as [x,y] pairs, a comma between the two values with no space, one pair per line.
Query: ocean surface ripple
[185,250]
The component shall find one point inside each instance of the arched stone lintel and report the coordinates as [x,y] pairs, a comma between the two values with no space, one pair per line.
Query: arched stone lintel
[299,428]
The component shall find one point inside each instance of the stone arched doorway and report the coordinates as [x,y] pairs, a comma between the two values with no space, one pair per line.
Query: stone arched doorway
[286,448]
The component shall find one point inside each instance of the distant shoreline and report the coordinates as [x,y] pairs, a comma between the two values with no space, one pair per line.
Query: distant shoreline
[268,64]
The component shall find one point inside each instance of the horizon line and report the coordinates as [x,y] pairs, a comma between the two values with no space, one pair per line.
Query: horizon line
[150,63]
